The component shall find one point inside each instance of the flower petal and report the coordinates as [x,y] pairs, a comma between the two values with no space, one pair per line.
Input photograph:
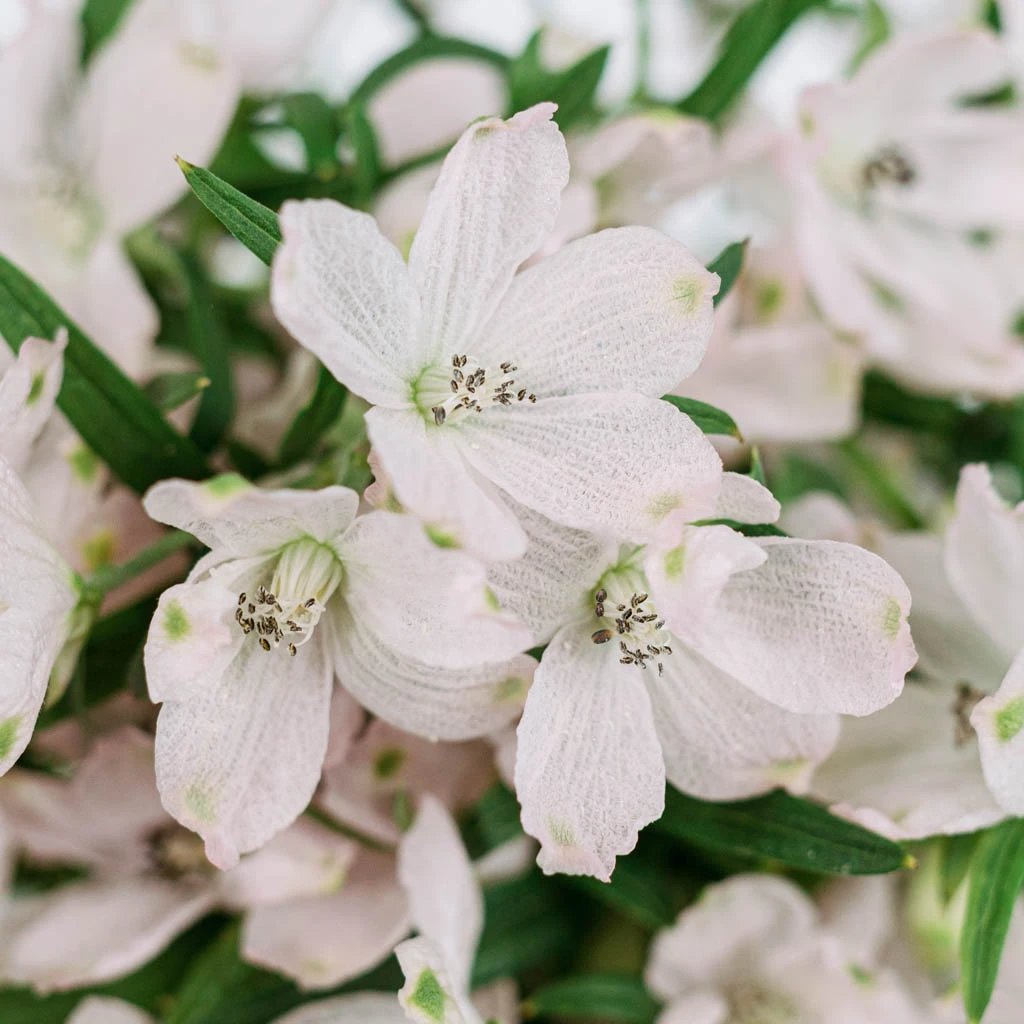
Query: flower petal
[743,500]
[323,941]
[436,703]
[444,896]
[106,1010]
[723,742]
[627,309]
[494,201]
[342,290]
[28,391]
[429,995]
[999,722]
[580,461]
[820,627]
[360,1008]
[985,558]
[240,761]
[589,771]
[230,515]
[428,603]
[432,480]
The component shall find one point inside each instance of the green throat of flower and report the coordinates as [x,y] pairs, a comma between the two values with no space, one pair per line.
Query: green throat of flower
[443,394]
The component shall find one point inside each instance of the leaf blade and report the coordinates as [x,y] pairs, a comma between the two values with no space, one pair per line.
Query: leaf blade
[607,997]
[709,418]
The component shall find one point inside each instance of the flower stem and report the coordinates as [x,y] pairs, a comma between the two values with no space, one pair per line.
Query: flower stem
[109,577]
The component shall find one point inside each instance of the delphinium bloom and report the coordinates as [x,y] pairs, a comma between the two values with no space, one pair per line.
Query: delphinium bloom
[908,215]
[294,591]
[716,659]
[754,949]
[541,386]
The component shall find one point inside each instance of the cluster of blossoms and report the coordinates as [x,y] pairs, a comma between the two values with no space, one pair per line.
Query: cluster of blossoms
[458,577]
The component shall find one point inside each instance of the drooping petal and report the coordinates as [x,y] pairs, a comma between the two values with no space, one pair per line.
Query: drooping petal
[743,500]
[723,742]
[360,1008]
[985,558]
[618,465]
[28,391]
[323,941]
[425,601]
[902,772]
[627,309]
[445,901]
[431,479]
[240,760]
[192,639]
[820,627]
[589,771]
[230,515]
[342,290]
[93,931]
[429,995]
[687,579]
[107,1010]
[999,722]
[494,201]
[436,703]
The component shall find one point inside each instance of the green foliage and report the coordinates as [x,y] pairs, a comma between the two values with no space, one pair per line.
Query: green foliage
[594,997]
[170,391]
[709,418]
[997,873]
[727,265]
[99,20]
[114,417]
[321,412]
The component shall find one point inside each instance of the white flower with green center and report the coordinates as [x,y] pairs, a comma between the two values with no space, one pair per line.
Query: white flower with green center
[541,386]
[717,660]
[295,592]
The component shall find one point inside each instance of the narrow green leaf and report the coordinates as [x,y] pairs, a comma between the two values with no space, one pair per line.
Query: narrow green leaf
[782,828]
[252,223]
[113,415]
[313,118]
[621,998]
[957,853]
[634,891]
[709,418]
[170,391]
[313,419]
[363,140]
[997,873]
[750,38]
[573,88]
[727,265]
[875,30]
[100,19]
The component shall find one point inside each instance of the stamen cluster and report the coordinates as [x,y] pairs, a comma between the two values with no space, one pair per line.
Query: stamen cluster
[469,387]
[635,621]
[261,616]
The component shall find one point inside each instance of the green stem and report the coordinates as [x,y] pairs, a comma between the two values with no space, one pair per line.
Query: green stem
[325,819]
[643,49]
[883,486]
[109,577]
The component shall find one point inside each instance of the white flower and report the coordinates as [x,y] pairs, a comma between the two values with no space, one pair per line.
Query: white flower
[244,653]
[715,659]
[543,386]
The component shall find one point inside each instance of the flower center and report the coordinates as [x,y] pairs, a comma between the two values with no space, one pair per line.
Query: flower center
[626,614]
[306,575]
[466,387]
[753,1003]
[888,164]
[177,855]
[967,698]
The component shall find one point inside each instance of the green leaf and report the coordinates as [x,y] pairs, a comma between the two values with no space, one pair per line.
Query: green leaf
[709,418]
[749,40]
[313,118]
[782,828]
[113,416]
[573,88]
[595,997]
[875,29]
[727,265]
[252,223]
[170,391]
[321,413]
[100,18]
[634,891]
[997,873]
[957,852]
[363,140]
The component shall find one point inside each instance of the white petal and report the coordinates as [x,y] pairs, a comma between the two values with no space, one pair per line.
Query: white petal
[820,627]
[432,480]
[723,742]
[549,584]
[571,459]
[230,515]
[90,932]
[429,995]
[192,639]
[444,896]
[436,703]
[985,558]
[28,391]
[323,941]
[902,773]
[495,200]
[361,1008]
[427,602]
[589,772]
[238,762]
[999,722]
[743,500]
[687,579]
[106,1010]
[342,290]
[697,1007]
[627,309]
[133,134]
